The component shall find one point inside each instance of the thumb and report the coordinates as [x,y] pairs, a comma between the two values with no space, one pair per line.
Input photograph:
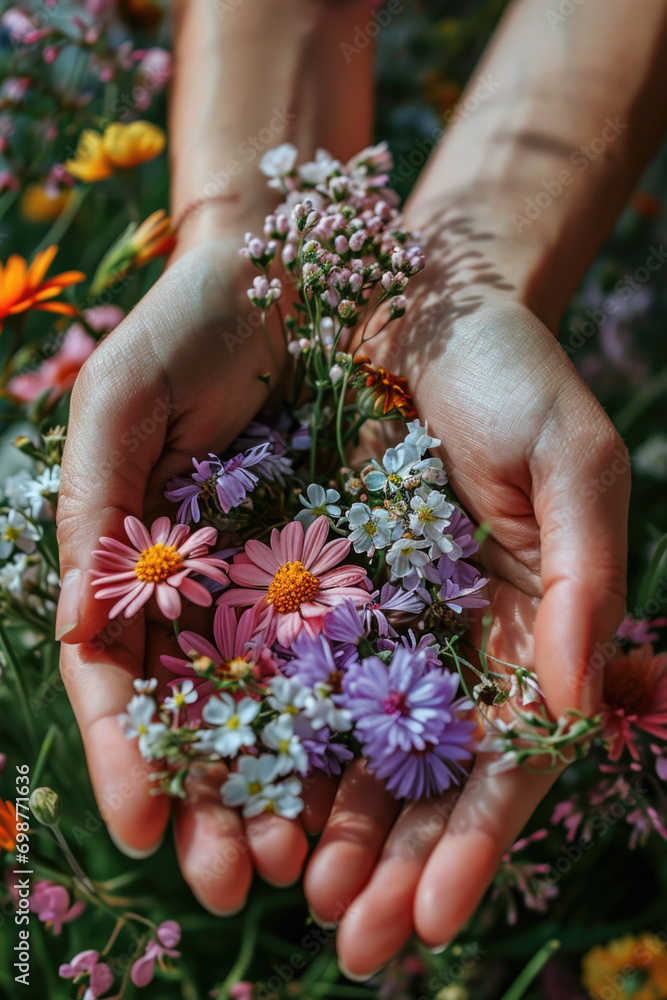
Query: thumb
[117,429]
[581,476]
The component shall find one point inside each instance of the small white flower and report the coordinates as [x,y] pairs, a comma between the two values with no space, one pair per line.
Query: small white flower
[137,722]
[140,712]
[251,776]
[279,162]
[279,736]
[283,799]
[287,695]
[35,495]
[321,710]
[420,438]
[15,530]
[371,529]
[185,694]
[430,516]
[397,466]
[445,545]
[320,501]
[319,169]
[525,687]
[232,725]
[144,687]
[11,575]
[406,555]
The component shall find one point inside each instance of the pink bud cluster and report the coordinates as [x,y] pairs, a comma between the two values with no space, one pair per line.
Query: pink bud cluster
[338,236]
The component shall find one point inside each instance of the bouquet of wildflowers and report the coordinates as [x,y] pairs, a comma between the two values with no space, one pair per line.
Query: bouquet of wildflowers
[340,586]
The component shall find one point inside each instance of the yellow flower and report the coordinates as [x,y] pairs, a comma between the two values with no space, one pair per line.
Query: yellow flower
[91,161]
[121,146]
[130,145]
[37,205]
[629,968]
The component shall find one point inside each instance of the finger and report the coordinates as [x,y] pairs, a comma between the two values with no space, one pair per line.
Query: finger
[342,863]
[98,678]
[116,433]
[490,813]
[213,851]
[380,922]
[318,797]
[278,846]
[581,476]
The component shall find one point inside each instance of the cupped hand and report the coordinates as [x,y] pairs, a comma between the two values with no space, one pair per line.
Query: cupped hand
[178,378]
[530,451]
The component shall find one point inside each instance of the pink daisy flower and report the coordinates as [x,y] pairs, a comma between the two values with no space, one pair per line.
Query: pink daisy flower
[635,697]
[292,584]
[160,564]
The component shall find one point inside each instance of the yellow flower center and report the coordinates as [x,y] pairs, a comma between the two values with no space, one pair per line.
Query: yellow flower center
[234,722]
[254,787]
[10,534]
[157,563]
[395,479]
[426,514]
[237,667]
[284,746]
[179,699]
[292,586]
[370,528]
[142,729]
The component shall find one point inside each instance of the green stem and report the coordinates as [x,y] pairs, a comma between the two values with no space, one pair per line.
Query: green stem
[65,219]
[351,431]
[536,964]
[340,441]
[45,749]
[72,862]
[645,397]
[13,663]
[246,951]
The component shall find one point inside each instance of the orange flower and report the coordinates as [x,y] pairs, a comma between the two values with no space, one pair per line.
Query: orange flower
[7,826]
[24,287]
[390,391]
[153,238]
[38,205]
[134,248]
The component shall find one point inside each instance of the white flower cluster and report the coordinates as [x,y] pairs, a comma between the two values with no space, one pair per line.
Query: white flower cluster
[29,498]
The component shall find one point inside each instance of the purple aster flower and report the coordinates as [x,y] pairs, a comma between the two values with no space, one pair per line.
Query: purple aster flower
[461,584]
[313,664]
[638,630]
[323,752]
[186,492]
[417,774]
[233,480]
[426,644]
[393,599]
[275,465]
[403,704]
[461,530]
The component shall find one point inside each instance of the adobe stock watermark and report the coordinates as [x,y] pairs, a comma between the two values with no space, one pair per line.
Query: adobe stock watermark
[365,33]
[581,159]
[622,291]
[565,9]
[246,153]
[408,163]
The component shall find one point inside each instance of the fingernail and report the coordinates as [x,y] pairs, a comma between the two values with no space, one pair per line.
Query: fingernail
[135,853]
[354,977]
[326,925]
[68,603]
[438,950]
[214,910]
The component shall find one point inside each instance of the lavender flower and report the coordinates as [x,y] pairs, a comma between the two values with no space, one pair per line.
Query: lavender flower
[393,600]
[402,705]
[461,585]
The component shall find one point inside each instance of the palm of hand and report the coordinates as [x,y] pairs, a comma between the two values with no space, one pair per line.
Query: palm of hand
[177,379]
[522,439]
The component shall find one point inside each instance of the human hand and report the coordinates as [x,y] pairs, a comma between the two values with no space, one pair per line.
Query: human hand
[530,451]
[179,377]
